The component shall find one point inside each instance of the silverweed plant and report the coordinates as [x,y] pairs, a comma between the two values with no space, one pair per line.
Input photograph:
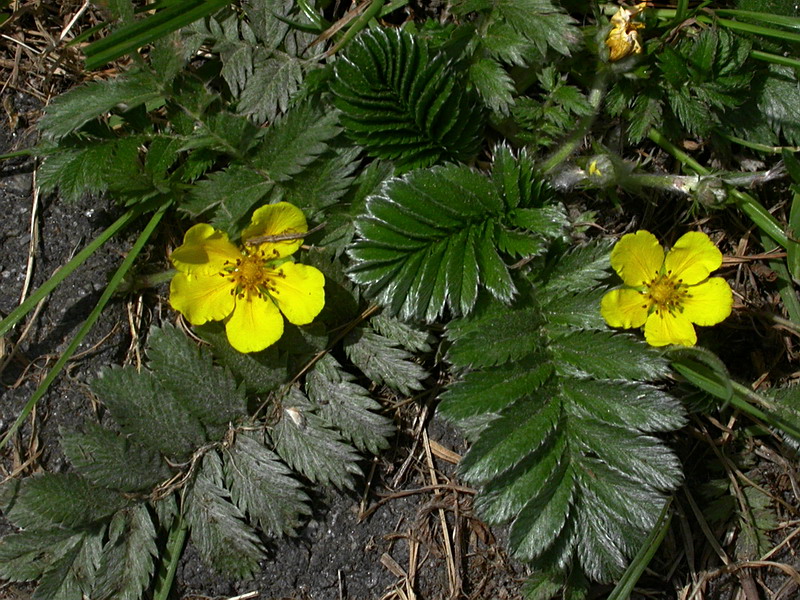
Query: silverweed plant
[371,198]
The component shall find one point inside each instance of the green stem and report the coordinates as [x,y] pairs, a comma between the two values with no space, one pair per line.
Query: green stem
[759,147]
[64,272]
[88,323]
[745,202]
[775,59]
[572,143]
[18,153]
[175,542]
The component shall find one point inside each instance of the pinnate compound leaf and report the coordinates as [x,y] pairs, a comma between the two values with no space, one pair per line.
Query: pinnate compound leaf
[303,439]
[382,361]
[218,529]
[348,407]
[127,561]
[562,416]
[60,500]
[542,22]
[75,108]
[114,461]
[428,238]
[402,103]
[263,487]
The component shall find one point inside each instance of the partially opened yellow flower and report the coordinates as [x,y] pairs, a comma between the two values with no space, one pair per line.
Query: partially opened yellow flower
[666,294]
[624,38]
[249,287]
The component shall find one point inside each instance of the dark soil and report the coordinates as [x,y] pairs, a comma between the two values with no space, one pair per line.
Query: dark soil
[386,539]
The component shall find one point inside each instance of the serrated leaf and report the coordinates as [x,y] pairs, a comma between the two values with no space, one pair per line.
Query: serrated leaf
[295,140]
[111,460]
[561,447]
[403,104]
[383,362]
[148,412]
[73,109]
[270,87]
[324,182]
[410,337]
[61,500]
[347,407]
[427,240]
[217,527]
[541,22]
[70,576]
[231,194]
[127,561]
[261,372]
[606,355]
[263,487]
[493,83]
[179,365]
[93,168]
[24,556]
[304,441]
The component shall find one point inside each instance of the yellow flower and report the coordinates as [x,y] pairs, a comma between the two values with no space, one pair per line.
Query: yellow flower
[624,38]
[666,294]
[248,287]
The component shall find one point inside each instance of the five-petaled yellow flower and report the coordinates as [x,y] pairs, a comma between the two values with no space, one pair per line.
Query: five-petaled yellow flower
[248,287]
[666,294]
[624,38]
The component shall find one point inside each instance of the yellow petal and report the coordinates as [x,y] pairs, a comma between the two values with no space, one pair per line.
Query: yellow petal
[201,298]
[205,250]
[624,308]
[663,328]
[277,219]
[637,258]
[693,257]
[708,303]
[299,292]
[255,323]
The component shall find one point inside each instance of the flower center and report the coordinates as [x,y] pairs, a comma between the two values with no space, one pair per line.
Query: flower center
[667,293]
[251,275]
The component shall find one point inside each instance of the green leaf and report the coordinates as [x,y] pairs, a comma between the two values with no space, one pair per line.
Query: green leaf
[493,83]
[71,110]
[382,361]
[541,22]
[260,373]
[269,89]
[295,140]
[127,561]
[92,168]
[179,365]
[61,500]
[70,576]
[24,556]
[561,417]
[403,104]
[111,460]
[218,529]
[410,337]
[347,407]
[263,488]
[303,439]
[427,240]
[231,194]
[148,412]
